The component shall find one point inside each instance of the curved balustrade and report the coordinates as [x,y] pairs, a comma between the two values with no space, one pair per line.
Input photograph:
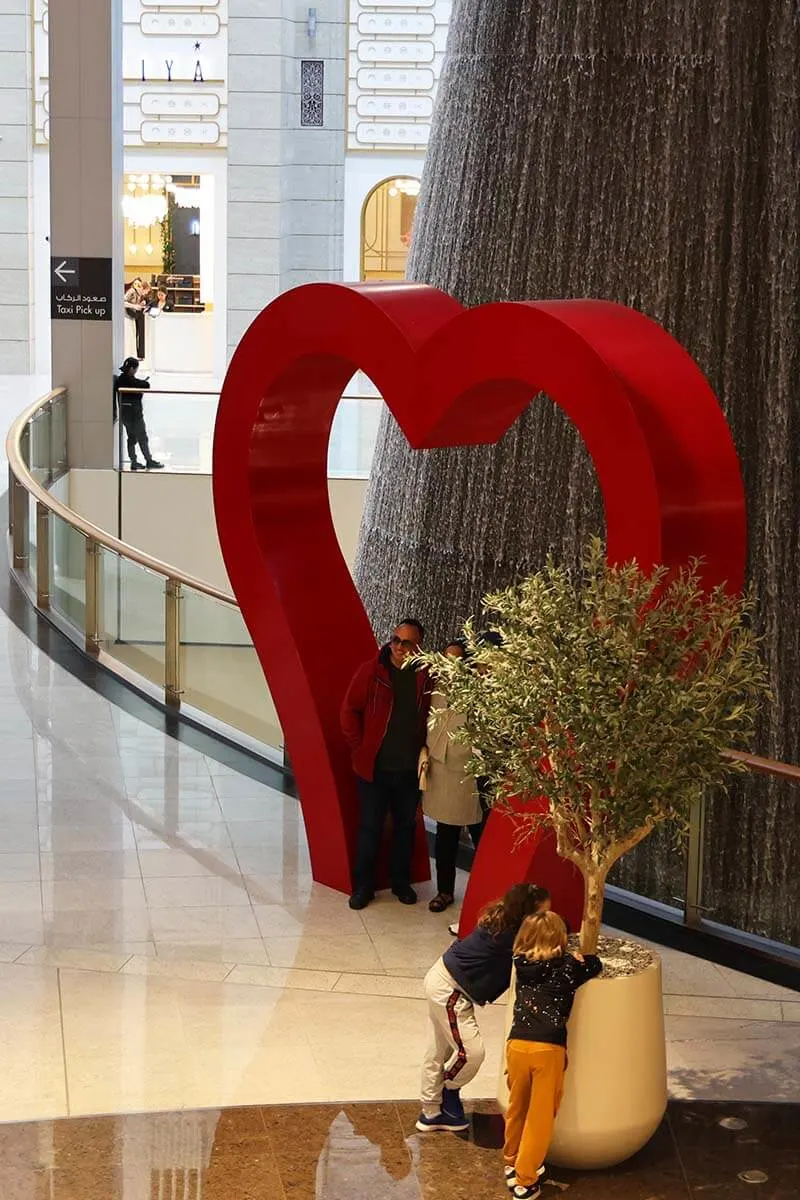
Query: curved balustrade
[164,631]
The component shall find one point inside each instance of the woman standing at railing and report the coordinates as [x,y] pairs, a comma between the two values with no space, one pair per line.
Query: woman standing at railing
[131,413]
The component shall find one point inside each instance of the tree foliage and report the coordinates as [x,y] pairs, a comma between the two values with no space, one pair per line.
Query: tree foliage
[612,696]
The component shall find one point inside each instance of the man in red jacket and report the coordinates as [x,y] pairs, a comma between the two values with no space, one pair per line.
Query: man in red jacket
[385,724]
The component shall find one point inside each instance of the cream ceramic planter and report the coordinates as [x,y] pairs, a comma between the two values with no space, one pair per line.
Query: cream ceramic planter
[615,1088]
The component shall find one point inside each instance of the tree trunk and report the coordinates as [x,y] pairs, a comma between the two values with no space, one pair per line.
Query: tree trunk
[642,151]
[595,884]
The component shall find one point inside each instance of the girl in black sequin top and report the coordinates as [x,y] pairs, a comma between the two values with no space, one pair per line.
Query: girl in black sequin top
[547,980]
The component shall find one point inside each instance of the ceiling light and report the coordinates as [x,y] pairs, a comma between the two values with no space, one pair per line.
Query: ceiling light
[143,211]
[186,197]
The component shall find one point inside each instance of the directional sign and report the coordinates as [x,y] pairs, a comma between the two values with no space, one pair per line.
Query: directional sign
[80,289]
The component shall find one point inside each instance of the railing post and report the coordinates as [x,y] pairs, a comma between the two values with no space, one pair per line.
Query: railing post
[93,630]
[42,556]
[19,525]
[172,643]
[693,910]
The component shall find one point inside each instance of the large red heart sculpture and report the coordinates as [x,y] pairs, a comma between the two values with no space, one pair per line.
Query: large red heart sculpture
[664,456]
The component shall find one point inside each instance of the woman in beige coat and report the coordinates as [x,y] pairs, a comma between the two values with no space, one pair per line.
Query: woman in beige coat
[451,795]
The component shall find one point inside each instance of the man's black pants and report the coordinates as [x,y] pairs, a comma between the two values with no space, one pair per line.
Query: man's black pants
[136,433]
[395,793]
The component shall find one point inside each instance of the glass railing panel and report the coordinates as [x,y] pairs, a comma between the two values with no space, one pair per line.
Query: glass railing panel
[32,540]
[132,609]
[656,868]
[58,435]
[220,671]
[353,436]
[180,431]
[750,854]
[25,445]
[39,453]
[67,571]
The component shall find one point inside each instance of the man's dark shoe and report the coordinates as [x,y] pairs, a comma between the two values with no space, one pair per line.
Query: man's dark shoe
[361,898]
[135,466]
[155,466]
[406,895]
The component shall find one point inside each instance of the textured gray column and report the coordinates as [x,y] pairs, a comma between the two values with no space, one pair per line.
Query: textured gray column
[85,207]
[643,151]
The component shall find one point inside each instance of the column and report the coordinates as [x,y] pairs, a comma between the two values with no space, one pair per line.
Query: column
[312,175]
[255,82]
[86,162]
[16,141]
[285,169]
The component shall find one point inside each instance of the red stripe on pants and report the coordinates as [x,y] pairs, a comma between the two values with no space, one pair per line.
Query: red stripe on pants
[455,1032]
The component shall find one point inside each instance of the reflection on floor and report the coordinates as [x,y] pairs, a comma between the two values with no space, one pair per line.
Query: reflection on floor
[371,1152]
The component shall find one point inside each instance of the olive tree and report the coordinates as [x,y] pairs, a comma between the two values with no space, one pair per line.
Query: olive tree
[612,695]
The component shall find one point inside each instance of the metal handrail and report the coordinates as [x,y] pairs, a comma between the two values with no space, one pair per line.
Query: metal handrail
[93,532]
[169,391]
[765,766]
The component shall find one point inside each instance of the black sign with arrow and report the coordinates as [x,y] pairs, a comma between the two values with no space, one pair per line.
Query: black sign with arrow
[80,289]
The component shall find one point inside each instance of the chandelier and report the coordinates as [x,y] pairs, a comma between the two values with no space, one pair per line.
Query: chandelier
[143,211]
[408,186]
[184,197]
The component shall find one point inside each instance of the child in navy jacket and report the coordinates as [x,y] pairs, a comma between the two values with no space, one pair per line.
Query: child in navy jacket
[476,970]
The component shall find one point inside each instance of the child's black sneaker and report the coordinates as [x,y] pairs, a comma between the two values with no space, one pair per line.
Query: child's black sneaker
[442,1123]
[511,1176]
[526,1193]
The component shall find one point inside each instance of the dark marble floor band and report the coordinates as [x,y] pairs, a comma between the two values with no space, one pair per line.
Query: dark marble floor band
[371,1152]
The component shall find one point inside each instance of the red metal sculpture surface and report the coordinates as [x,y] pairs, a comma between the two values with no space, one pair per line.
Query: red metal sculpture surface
[663,453]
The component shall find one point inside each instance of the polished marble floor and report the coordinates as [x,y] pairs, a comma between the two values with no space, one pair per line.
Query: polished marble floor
[371,1152]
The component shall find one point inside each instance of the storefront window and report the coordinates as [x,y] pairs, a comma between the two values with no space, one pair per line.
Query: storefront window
[169,257]
[386,228]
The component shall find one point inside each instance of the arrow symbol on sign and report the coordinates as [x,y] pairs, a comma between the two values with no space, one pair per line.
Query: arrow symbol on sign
[62,271]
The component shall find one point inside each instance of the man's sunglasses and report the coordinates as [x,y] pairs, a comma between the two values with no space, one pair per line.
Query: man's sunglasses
[404,642]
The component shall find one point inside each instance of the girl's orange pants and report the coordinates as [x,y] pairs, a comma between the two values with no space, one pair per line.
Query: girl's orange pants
[535,1072]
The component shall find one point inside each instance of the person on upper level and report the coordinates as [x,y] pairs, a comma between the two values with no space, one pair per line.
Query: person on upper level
[128,406]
